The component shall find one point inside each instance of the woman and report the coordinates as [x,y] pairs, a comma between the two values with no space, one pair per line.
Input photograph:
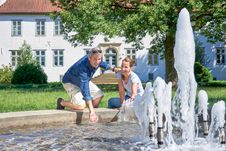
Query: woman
[129,84]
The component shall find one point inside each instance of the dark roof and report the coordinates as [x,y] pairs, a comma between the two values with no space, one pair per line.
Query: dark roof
[28,7]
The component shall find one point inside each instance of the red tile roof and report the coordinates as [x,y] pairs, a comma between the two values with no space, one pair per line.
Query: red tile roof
[28,7]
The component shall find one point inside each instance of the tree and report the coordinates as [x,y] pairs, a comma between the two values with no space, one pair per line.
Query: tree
[28,71]
[133,19]
[25,55]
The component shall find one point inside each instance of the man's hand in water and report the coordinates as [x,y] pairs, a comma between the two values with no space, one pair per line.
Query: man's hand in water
[93,117]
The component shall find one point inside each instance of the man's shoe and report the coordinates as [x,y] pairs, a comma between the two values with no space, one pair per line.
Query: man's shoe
[59,106]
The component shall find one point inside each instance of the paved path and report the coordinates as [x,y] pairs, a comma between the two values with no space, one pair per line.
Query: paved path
[29,118]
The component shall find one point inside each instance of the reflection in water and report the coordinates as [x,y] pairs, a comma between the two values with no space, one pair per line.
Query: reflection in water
[108,136]
[116,136]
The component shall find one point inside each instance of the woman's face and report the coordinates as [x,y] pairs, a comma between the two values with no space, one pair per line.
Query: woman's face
[125,68]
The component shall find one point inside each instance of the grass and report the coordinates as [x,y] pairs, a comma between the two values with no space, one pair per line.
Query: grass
[215,94]
[12,100]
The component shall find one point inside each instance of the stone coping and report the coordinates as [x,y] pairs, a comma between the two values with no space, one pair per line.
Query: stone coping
[30,118]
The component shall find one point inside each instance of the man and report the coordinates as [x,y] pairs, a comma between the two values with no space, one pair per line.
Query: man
[82,91]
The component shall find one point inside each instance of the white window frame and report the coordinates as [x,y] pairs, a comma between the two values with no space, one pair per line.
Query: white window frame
[57,57]
[131,52]
[109,56]
[58,27]
[40,58]
[40,27]
[16,28]
[15,56]
[153,58]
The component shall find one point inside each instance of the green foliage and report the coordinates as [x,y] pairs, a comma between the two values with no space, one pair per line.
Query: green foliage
[6,74]
[202,74]
[29,73]
[214,83]
[135,19]
[25,55]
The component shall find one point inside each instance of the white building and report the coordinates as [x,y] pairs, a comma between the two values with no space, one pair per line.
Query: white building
[216,58]
[28,20]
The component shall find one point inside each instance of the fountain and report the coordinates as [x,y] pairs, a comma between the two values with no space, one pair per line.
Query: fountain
[163,122]
[176,122]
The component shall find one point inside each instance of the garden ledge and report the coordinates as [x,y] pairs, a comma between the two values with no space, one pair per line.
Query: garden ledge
[30,118]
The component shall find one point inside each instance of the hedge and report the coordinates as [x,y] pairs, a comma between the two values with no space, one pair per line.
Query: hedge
[104,87]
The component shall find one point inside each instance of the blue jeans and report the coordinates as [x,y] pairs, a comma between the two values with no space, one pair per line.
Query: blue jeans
[115,102]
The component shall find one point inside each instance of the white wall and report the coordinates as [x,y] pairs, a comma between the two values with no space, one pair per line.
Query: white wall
[47,42]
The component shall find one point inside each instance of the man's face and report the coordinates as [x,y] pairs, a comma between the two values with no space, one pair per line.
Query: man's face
[95,60]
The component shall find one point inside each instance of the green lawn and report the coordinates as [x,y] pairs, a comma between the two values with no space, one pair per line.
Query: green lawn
[37,99]
[41,99]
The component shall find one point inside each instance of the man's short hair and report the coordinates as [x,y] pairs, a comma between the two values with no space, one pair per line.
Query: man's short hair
[94,51]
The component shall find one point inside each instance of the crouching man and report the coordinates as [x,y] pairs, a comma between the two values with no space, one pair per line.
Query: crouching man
[82,91]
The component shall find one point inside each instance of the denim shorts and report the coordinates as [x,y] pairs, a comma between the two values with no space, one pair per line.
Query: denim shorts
[115,102]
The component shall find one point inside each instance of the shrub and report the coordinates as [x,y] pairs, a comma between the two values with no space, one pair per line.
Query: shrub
[214,83]
[202,74]
[29,73]
[6,74]
[25,55]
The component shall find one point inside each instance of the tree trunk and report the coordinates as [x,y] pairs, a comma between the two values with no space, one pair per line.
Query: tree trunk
[171,74]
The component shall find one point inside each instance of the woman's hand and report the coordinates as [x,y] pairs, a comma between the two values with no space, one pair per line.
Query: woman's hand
[132,98]
[115,69]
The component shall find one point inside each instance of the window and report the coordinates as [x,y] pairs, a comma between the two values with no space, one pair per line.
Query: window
[220,55]
[16,28]
[58,57]
[58,27]
[40,27]
[111,57]
[153,57]
[40,57]
[132,54]
[61,78]
[14,55]
[150,76]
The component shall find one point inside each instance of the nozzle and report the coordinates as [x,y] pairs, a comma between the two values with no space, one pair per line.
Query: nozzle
[160,137]
[205,128]
[151,130]
[221,135]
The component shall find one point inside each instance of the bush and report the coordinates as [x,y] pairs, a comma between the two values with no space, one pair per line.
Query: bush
[29,73]
[202,74]
[6,74]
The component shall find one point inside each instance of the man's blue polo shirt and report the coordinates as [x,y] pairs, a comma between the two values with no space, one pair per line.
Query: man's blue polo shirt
[80,73]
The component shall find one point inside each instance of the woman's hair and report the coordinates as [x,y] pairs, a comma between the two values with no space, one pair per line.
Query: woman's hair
[128,59]
[131,63]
